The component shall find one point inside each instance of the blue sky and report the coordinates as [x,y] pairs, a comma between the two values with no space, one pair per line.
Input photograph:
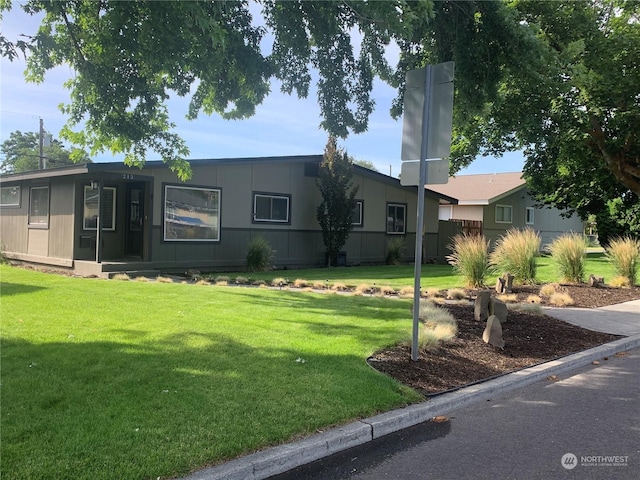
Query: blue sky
[283,124]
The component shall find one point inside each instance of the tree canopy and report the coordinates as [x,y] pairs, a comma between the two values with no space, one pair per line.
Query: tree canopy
[572,105]
[22,153]
[130,57]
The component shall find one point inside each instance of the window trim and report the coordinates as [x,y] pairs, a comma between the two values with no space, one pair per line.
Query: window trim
[254,213]
[113,210]
[359,203]
[404,220]
[526,215]
[42,224]
[218,225]
[11,205]
[510,207]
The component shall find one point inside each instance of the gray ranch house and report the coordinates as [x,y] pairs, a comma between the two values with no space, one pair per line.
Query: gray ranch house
[98,218]
[493,203]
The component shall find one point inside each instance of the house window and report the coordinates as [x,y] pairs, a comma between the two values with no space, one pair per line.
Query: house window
[396,218]
[191,214]
[503,213]
[356,214]
[529,215]
[9,196]
[39,206]
[271,208]
[108,208]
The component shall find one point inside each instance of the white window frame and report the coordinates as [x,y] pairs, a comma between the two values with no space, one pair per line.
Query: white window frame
[360,212]
[394,228]
[508,208]
[204,216]
[42,219]
[529,215]
[16,195]
[108,224]
[270,219]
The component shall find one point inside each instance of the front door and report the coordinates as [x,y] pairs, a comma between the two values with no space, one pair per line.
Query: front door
[134,231]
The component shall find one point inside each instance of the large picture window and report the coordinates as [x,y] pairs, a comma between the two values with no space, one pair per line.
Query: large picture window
[191,214]
[356,214]
[271,208]
[39,206]
[396,218]
[108,208]
[9,196]
[503,213]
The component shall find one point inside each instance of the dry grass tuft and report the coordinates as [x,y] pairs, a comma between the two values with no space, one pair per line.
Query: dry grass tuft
[534,299]
[508,297]
[202,282]
[278,282]
[142,279]
[161,279]
[548,289]
[386,290]
[456,294]
[339,287]
[406,292]
[121,276]
[534,308]
[432,292]
[221,278]
[242,280]
[221,283]
[300,283]
[561,300]
[364,289]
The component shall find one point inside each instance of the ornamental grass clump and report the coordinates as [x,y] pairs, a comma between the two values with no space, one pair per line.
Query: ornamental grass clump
[438,326]
[568,251]
[470,258]
[624,254]
[259,255]
[516,253]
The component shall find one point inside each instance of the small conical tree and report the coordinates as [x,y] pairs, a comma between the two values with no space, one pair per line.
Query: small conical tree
[334,213]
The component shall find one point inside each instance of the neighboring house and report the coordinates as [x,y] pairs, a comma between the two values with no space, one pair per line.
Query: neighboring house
[494,203]
[105,217]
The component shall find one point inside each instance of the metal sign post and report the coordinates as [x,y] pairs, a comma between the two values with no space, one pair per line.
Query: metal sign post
[435,142]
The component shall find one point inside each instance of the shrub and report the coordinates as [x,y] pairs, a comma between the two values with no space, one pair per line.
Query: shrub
[279,282]
[568,252]
[242,280]
[259,255]
[395,251]
[470,258]
[456,294]
[533,307]
[516,253]
[561,299]
[438,326]
[624,254]
[221,278]
[300,283]
[620,282]
[548,289]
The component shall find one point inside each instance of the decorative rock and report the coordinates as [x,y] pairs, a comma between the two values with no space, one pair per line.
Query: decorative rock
[508,279]
[499,309]
[481,308]
[500,285]
[493,332]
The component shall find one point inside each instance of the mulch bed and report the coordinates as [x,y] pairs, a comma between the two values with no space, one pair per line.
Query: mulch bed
[530,340]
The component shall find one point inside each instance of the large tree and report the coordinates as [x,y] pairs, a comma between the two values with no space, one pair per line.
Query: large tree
[22,153]
[335,212]
[573,106]
[129,57]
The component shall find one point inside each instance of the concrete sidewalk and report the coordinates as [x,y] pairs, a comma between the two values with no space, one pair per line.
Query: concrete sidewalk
[621,319]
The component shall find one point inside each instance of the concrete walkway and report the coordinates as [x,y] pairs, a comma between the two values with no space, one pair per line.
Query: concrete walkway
[621,319]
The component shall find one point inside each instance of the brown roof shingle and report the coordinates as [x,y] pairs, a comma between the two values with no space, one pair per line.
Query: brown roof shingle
[481,189]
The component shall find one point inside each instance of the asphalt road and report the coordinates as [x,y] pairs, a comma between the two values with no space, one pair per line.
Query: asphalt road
[589,421]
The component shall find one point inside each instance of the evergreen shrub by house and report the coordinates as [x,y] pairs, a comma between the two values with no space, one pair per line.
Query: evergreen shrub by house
[259,255]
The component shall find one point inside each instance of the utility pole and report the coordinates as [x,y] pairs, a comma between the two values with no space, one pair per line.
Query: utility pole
[41,145]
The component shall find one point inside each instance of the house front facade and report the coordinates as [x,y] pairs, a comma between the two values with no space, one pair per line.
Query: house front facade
[494,203]
[104,217]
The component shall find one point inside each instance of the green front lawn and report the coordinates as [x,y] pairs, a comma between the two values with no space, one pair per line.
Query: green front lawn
[128,380]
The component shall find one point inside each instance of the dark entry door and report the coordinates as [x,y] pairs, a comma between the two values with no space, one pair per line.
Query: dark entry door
[134,232]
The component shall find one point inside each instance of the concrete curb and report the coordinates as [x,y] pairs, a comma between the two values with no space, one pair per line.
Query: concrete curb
[276,460]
